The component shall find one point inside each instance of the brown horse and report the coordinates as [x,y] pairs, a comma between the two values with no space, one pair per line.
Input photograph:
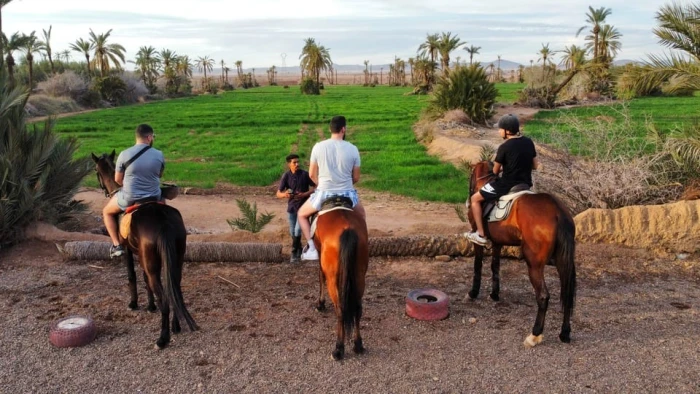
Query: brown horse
[543,227]
[159,237]
[341,238]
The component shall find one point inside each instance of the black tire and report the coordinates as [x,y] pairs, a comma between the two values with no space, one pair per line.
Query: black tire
[427,304]
[72,331]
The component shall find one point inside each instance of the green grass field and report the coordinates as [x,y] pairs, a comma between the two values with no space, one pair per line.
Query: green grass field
[242,137]
[666,113]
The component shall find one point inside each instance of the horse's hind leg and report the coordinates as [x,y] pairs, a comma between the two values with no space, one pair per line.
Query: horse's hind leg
[151,301]
[496,272]
[357,341]
[164,306]
[321,304]
[536,273]
[131,274]
[339,351]
[478,262]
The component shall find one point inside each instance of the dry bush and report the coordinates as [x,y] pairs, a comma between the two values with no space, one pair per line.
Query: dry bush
[618,168]
[66,84]
[456,116]
[135,88]
[43,105]
[424,131]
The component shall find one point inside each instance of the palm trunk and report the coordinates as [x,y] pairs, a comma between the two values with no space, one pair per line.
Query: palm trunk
[10,69]
[30,62]
[564,82]
[87,62]
[53,70]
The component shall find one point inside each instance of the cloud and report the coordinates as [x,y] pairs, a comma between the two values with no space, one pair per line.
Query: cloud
[259,32]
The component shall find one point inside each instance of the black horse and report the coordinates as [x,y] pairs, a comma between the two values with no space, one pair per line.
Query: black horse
[158,235]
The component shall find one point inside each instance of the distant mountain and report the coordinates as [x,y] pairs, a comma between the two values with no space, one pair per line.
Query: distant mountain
[505,64]
[624,62]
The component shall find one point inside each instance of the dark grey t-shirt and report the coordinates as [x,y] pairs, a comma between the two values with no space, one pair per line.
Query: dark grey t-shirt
[142,177]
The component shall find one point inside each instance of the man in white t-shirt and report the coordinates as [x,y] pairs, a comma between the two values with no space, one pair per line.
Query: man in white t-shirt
[335,168]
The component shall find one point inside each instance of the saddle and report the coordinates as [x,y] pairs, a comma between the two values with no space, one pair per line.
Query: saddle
[168,192]
[332,203]
[495,211]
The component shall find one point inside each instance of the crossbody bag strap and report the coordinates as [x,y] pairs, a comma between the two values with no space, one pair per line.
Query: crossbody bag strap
[136,156]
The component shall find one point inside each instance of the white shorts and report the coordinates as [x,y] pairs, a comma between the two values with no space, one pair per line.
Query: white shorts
[319,196]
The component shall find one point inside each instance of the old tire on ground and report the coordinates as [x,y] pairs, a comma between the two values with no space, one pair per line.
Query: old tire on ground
[72,331]
[427,304]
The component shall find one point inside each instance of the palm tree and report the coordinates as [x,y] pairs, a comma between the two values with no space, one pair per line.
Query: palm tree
[83,47]
[46,47]
[147,63]
[595,17]
[184,66]
[106,54]
[2,44]
[430,46]
[206,64]
[608,44]
[574,60]
[314,59]
[15,42]
[31,46]
[678,29]
[446,45]
[66,55]
[472,51]
[223,67]
[498,70]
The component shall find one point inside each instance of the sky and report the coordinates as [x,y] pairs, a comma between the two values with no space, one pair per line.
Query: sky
[262,33]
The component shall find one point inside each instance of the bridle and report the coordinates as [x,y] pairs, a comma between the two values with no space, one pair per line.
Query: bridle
[101,182]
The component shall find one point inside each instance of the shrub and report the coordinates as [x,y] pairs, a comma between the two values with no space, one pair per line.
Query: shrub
[39,175]
[468,89]
[250,220]
[43,105]
[66,84]
[309,86]
[111,88]
[136,90]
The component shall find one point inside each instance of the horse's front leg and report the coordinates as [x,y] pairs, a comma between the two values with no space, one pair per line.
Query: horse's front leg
[478,262]
[321,304]
[496,272]
[131,274]
[151,301]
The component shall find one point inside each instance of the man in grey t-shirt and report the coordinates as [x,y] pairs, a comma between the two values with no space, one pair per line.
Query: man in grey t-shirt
[335,168]
[140,179]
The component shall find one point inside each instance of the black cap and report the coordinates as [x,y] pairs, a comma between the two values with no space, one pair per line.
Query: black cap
[509,123]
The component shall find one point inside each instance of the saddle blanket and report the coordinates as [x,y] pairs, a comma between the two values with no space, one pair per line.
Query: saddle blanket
[500,209]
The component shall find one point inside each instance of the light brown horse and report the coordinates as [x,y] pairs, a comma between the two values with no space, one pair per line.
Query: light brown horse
[341,238]
[159,237]
[543,227]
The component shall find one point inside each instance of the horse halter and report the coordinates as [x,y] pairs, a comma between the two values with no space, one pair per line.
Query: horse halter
[101,182]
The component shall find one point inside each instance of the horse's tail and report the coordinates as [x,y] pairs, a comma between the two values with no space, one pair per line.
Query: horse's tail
[167,248]
[347,279]
[564,252]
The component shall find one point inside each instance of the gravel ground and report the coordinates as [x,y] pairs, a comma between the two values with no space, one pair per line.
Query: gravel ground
[636,329]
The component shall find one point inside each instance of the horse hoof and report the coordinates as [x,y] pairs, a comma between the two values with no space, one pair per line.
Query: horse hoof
[152,308]
[495,297]
[321,306]
[133,305]
[162,343]
[532,340]
[473,294]
[566,338]
[358,349]
[337,355]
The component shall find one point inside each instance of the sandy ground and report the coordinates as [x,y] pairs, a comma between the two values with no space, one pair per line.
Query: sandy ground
[636,327]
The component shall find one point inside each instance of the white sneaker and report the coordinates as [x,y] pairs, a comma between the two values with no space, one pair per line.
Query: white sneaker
[310,253]
[476,238]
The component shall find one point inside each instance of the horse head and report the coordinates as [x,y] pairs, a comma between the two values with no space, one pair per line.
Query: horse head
[482,172]
[104,168]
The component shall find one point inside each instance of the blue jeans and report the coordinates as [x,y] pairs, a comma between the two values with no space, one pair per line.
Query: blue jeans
[294,228]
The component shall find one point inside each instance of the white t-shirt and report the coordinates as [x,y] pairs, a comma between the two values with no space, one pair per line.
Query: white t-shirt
[335,159]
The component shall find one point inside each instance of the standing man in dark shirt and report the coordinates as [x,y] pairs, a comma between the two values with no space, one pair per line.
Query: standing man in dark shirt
[295,186]
[516,157]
